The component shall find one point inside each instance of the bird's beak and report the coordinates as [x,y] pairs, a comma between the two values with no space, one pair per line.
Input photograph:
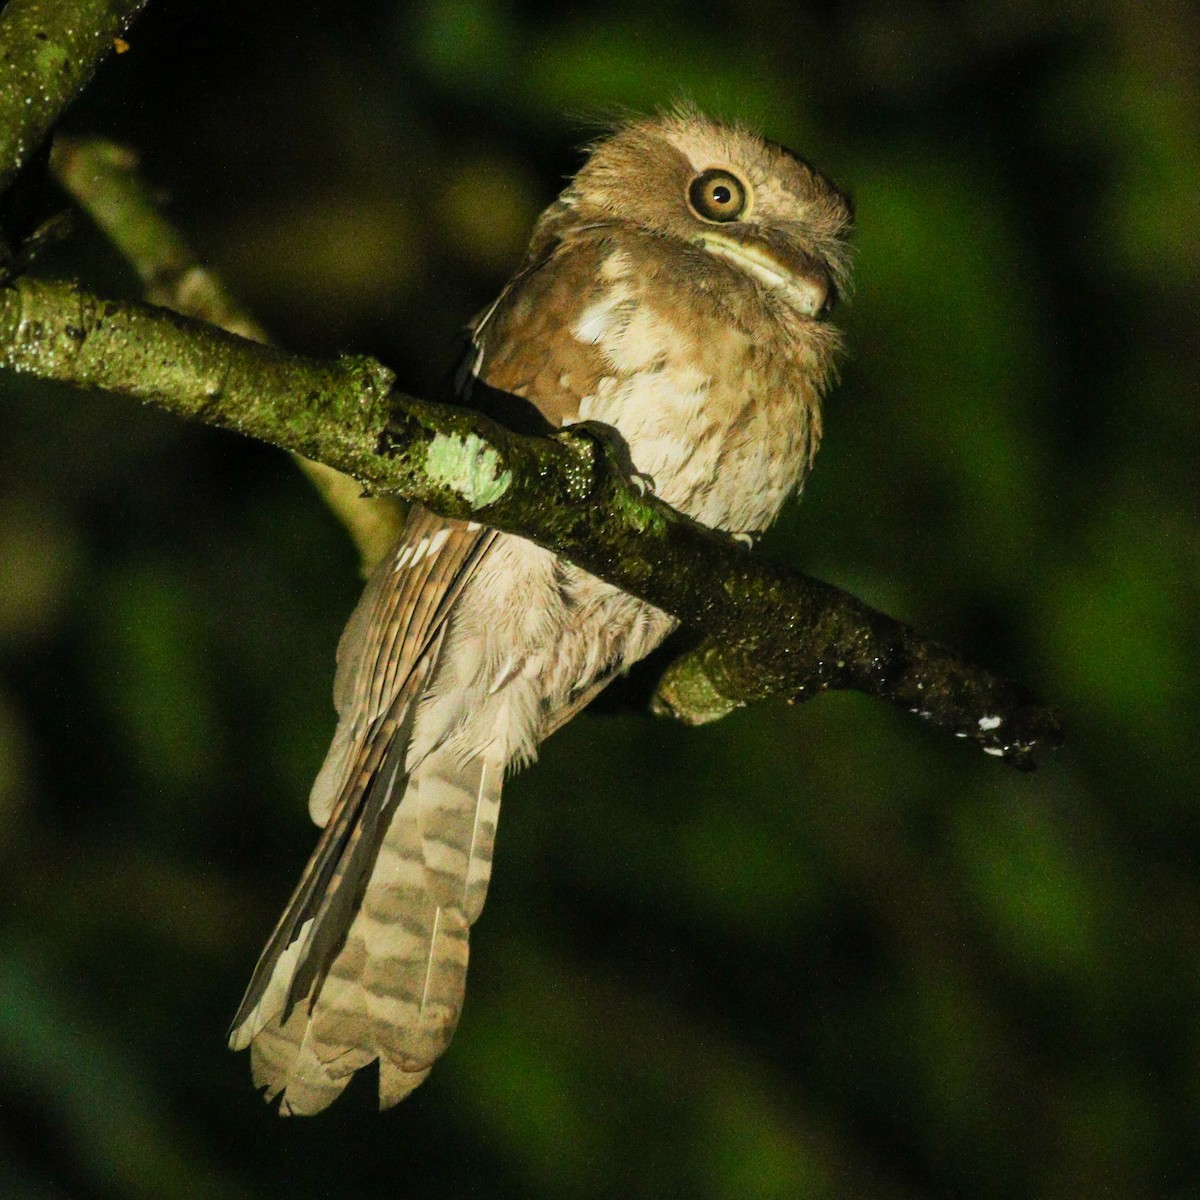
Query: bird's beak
[801,280]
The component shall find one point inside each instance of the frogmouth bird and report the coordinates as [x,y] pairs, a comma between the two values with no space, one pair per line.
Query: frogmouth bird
[677,291]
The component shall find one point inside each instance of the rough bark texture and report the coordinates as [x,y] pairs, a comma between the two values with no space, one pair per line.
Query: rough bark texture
[49,50]
[771,631]
[102,178]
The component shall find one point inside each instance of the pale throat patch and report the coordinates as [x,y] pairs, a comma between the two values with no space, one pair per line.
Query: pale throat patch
[806,296]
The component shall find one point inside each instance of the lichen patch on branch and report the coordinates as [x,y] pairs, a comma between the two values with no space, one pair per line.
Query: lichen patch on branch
[467,466]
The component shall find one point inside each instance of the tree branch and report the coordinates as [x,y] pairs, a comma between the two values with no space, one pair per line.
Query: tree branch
[49,50]
[102,178]
[771,631]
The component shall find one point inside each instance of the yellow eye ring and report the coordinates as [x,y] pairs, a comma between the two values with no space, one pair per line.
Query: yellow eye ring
[717,195]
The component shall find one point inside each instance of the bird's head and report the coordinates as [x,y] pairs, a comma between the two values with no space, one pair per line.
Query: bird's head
[750,204]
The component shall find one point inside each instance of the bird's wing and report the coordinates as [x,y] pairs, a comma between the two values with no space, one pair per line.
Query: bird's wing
[385,658]
[369,958]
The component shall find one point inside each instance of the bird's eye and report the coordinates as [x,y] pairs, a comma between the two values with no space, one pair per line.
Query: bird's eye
[717,195]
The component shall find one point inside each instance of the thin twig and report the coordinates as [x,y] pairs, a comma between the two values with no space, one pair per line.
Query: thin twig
[103,179]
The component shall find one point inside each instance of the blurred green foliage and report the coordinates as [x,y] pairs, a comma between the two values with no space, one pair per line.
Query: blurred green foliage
[809,952]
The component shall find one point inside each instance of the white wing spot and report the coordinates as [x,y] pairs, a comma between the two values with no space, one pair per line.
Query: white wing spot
[593,324]
[419,551]
[438,540]
[403,557]
[993,751]
[616,266]
[986,723]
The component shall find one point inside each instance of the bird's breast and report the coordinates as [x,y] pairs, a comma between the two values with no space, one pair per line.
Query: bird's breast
[721,420]
[714,392]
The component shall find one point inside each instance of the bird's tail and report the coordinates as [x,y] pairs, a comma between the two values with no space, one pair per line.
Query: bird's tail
[369,960]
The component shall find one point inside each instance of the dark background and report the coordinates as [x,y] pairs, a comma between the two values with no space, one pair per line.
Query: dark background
[809,952]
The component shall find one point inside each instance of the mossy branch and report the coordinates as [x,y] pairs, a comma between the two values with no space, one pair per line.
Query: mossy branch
[49,50]
[772,632]
[102,178]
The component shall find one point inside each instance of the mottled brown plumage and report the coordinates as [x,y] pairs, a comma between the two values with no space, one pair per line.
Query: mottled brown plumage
[676,291]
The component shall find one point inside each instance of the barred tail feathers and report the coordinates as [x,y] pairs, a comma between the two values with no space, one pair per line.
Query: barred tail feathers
[393,989]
